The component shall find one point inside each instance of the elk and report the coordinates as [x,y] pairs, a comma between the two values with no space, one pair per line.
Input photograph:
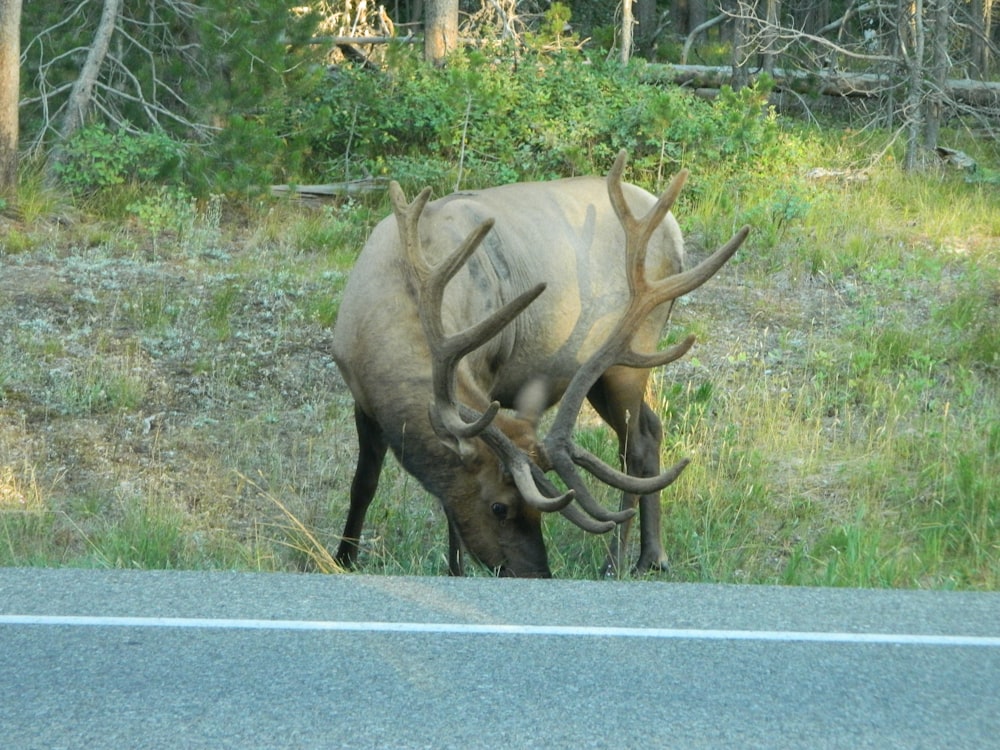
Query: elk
[465,318]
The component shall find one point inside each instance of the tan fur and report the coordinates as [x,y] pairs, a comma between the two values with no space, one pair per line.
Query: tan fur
[564,233]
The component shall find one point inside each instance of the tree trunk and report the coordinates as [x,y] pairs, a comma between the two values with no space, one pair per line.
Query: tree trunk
[981,12]
[679,21]
[440,30]
[646,28]
[82,93]
[10,71]
[742,44]
[810,16]
[628,21]
[939,74]
[912,26]
[979,94]
[697,13]
[770,51]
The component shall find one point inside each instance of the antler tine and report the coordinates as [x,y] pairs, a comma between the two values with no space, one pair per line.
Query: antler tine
[639,231]
[626,482]
[538,491]
[562,464]
[446,351]
[572,513]
[657,359]
[407,217]
[672,287]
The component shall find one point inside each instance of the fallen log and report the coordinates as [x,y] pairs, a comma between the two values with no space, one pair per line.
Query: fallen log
[329,190]
[824,82]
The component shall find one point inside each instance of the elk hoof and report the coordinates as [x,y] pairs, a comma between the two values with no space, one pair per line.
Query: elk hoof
[652,564]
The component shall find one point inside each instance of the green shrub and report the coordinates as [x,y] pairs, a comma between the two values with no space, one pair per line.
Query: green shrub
[489,121]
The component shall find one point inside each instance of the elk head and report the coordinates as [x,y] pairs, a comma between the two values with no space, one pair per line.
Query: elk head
[490,467]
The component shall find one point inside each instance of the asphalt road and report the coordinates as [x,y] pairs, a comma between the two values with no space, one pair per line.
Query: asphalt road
[117,659]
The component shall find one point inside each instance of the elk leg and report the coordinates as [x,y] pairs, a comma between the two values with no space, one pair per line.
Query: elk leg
[644,454]
[371,454]
[618,398]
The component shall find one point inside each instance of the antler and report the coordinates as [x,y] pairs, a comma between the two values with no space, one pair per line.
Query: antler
[452,422]
[446,351]
[644,296]
[456,423]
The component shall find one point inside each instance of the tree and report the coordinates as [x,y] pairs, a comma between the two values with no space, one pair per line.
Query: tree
[981,26]
[83,89]
[647,28]
[440,30]
[628,22]
[10,55]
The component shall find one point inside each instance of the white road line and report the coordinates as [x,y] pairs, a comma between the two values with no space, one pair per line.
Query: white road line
[455,628]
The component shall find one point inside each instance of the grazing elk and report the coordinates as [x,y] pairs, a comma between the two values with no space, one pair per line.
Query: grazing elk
[466,317]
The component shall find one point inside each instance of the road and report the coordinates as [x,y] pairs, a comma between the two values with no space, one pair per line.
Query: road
[123,659]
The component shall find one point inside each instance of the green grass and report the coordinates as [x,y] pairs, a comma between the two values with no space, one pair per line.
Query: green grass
[167,398]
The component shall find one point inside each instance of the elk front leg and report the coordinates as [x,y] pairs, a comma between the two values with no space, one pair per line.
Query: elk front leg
[371,454]
[618,398]
[641,452]
[647,460]
[456,565]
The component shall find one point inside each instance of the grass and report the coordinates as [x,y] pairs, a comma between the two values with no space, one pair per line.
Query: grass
[167,398]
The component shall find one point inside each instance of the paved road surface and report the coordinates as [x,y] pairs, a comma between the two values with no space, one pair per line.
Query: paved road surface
[121,660]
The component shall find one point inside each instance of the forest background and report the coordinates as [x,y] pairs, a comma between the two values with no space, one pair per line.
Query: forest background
[184,187]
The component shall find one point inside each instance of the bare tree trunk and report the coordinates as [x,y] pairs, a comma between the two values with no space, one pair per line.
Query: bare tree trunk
[741,43]
[771,35]
[988,30]
[811,15]
[646,27]
[628,21]
[440,30]
[981,12]
[939,74]
[83,88]
[82,93]
[911,29]
[679,16]
[697,13]
[416,12]
[981,95]
[10,74]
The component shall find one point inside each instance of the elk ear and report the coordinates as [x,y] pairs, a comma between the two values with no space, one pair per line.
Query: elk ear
[464,449]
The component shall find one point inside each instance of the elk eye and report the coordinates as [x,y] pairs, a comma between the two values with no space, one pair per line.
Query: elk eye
[499,510]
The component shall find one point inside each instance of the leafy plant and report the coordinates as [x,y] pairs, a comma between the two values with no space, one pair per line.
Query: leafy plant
[96,157]
[168,209]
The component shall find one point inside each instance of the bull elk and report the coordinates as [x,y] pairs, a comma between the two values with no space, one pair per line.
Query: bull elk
[467,317]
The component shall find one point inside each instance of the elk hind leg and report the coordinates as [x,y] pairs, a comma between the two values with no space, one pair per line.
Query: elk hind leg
[371,455]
